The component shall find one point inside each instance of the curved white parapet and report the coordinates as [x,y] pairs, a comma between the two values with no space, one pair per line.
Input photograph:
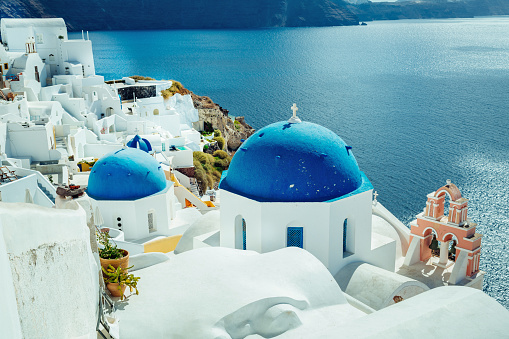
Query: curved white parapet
[206,224]
[443,312]
[226,293]
[144,260]
[115,235]
[375,286]
[403,231]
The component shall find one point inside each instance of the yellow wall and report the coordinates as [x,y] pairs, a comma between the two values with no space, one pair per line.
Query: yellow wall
[163,245]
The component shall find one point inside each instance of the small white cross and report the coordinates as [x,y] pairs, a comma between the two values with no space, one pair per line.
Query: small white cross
[294,119]
[375,195]
[294,108]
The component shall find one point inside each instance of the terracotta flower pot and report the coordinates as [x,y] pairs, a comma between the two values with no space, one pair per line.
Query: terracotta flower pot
[122,262]
[113,288]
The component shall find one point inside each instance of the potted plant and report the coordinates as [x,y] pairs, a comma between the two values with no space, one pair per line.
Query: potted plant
[117,279]
[110,254]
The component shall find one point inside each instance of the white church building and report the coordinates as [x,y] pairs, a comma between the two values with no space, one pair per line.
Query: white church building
[298,184]
[131,191]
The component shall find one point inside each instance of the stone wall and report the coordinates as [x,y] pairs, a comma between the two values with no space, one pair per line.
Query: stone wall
[127,93]
[187,171]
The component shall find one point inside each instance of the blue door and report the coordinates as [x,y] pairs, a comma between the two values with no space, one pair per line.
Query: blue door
[294,237]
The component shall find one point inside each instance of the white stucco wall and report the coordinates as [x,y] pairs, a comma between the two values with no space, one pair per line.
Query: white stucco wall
[184,106]
[267,223]
[98,150]
[170,123]
[18,108]
[33,142]
[9,321]
[45,31]
[16,191]
[134,214]
[53,270]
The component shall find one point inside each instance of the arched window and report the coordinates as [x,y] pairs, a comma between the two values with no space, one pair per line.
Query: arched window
[348,238]
[345,230]
[240,233]
[243,234]
[295,237]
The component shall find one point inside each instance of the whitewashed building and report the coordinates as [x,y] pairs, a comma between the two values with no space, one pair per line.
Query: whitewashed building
[298,184]
[130,189]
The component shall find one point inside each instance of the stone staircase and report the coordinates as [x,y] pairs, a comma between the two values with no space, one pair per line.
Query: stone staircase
[194,189]
[45,191]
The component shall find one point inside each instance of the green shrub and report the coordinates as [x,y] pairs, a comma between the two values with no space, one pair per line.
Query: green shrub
[205,147]
[208,169]
[210,158]
[220,142]
[221,163]
[176,87]
[139,77]
[220,154]
[201,177]
[216,176]
[217,133]
[200,157]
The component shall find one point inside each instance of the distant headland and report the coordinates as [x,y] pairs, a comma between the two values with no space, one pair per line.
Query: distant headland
[229,14]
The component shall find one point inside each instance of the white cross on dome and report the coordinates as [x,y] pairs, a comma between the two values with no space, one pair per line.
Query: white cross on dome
[294,119]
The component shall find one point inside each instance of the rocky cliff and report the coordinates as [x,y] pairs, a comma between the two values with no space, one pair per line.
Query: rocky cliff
[212,113]
[428,9]
[167,14]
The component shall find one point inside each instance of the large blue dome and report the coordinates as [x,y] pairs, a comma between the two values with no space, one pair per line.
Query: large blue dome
[293,162]
[126,174]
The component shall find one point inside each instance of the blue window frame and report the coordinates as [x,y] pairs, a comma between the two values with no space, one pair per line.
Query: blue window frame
[243,234]
[294,237]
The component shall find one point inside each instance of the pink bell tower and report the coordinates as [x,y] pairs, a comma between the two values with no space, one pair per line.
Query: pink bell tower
[433,226]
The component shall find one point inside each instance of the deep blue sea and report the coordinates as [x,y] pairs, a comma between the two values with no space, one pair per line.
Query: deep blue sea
[420,101]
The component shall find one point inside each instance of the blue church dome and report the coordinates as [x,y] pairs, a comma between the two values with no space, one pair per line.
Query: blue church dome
[140,143]
[293,162]
[126,174]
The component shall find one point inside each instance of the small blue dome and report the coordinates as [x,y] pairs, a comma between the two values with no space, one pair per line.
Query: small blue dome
[126,174]
[140,143]
[284,162]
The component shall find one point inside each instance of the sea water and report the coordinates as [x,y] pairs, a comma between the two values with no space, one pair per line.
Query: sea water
[420,101]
